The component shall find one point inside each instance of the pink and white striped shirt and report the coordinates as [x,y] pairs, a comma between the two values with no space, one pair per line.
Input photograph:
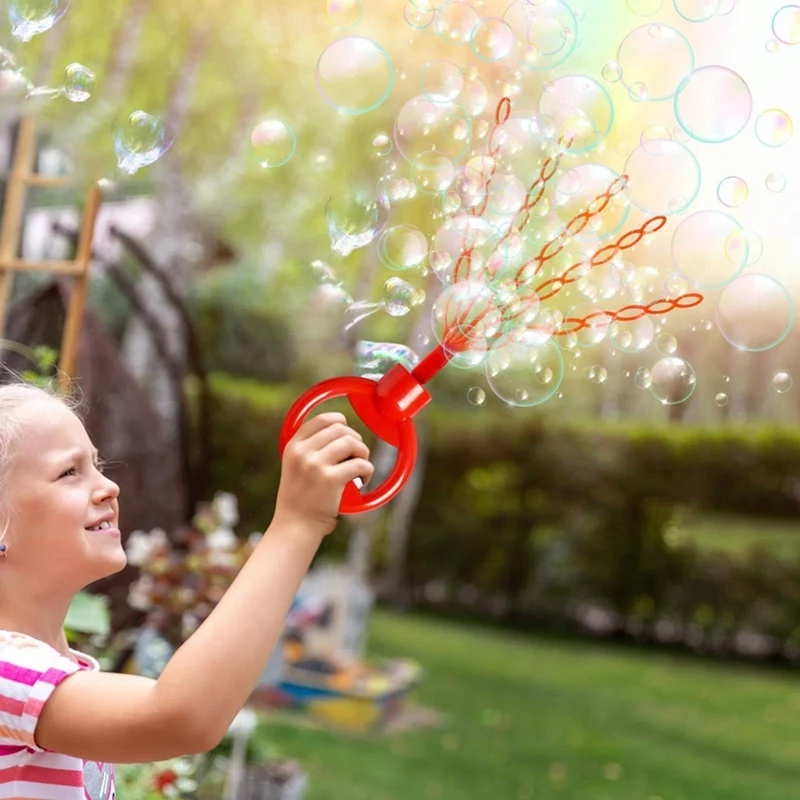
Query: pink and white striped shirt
[29,672]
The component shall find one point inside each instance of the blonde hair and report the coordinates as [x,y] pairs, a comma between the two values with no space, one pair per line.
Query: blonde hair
[13,397]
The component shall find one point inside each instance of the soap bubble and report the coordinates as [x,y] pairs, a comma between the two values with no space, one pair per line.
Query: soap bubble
[423,126]
[580,110]
[272,143]
[545,33]
[782,382]
[432,172]
[656,56]
[721,399]
[382,144]
[492,39]
[774,127]
[598,374]
[455,22]
[653,133]
[343,14]
[354,75]
[78,83]
[754,312]
[524,374]
[399,297]
[644,8]
[375,359]
[708,248]
[786,24]
[354,220]
[775,182]
[418,18]
[732,191]
[465,317]
[663,176]
[745,240]
[666,344]
[139,140]
[725,7]
[577,189]
[634,336]
[771,46]
[402,247]
[673,380]
[441,81]
[696,10]
[31,17]
[643,378]
[476,396]
[713,104]
[612,72]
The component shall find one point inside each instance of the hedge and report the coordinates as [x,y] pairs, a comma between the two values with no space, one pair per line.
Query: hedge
[544,523]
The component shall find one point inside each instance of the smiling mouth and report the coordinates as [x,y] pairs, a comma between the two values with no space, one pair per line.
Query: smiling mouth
[103,526]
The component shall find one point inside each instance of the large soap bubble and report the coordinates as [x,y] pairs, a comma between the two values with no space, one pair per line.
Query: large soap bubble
[31,17]
[139,140]
[656,57]
[354,75]
[523,373]
[713,104]
[545,33]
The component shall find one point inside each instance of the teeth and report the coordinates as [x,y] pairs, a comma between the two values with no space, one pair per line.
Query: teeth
[101,526]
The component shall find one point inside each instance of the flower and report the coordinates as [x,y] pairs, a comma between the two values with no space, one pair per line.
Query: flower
[226,508]
[141,547]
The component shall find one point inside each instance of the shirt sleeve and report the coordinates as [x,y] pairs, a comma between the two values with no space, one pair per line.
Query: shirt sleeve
[29,672]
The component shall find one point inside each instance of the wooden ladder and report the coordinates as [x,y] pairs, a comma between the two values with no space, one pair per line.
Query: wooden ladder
[20,178]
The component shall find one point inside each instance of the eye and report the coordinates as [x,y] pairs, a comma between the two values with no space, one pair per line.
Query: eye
[68,472]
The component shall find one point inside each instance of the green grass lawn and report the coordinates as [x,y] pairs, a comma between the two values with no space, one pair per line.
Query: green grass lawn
[737,534]
[534,719]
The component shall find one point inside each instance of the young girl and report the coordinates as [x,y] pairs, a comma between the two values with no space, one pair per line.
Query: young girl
[62,722]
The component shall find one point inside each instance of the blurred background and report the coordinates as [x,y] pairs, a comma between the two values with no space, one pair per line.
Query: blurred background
[590,586]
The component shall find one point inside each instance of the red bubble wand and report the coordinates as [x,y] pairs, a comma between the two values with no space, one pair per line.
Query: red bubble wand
[387,407]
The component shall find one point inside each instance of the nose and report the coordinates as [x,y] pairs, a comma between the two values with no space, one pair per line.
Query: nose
[106,490]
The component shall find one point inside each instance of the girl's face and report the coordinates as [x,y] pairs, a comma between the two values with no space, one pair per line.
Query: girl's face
[64,525]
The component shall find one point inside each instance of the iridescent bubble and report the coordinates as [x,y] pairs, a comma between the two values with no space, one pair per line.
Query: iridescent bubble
[423,126]
[476,396]
[612,72]
[31,17]
[375,359]
[598,374]
[782,382]
[78,83]
[465,317]
[456,21]
[644,8]
[441,81]
[752,245]
[354,75]
[354,220]
[418,18]
[492,39]
[696,10]
[786,24]
[775,182]
[580,109]
[754,312]
[771,46]
[432,172]
[673,380]
[474,96]
[653,133]
[524,374]
[713,104]
[725,7]
[343,14]
[663,176]
[732,191]
[399,297]
[643,378]
[545,33]
[402,247]
[708,248]
[638,92]
[382,144]
[272,143]
[139,140]
[666,344]
[721,399]
[656,56]
[774,127]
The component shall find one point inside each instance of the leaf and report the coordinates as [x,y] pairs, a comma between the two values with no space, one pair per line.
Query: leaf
[89,614]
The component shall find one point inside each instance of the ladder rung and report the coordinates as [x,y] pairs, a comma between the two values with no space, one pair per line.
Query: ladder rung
[34,179]
[56,267]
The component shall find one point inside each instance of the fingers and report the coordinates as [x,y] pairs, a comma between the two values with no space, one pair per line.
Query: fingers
[342,448]
[354,469]
[317,424]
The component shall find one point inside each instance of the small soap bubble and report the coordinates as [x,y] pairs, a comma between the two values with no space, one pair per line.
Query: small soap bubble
[354,75]
[612,72]
[643,379]
[598,374]
[721,399]
[638,92]
[786,24]
[344,14]
[696,10]
[673,380]
[354,220]
[31,17]
[775,182]
[402,247]
[666,344]
[523,374]
[456,21]
[418,18]
[139,140]
[644,8]
[781,382]
[774,127]
[771,46]
[492,39]
[732,191]
[79,83]
[476,396]
[382,144]
[272,143]
[399,297]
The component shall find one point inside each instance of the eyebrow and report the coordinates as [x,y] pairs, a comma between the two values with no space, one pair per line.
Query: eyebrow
[78,453]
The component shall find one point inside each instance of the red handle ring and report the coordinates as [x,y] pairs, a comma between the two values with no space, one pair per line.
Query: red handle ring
[364,397]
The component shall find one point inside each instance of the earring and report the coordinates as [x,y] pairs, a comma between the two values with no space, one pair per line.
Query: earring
[3,549]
